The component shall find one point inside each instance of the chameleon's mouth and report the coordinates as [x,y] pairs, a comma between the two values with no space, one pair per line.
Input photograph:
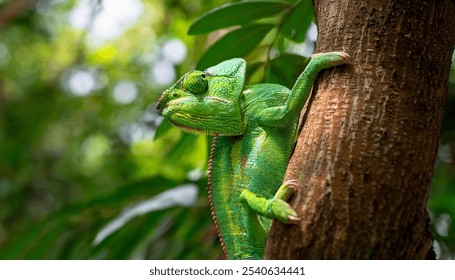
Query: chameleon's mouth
[185,128]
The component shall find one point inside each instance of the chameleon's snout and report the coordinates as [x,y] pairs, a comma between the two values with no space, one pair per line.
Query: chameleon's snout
[159,104]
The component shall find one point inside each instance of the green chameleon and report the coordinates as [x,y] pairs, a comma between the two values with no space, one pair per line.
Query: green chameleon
[254,129]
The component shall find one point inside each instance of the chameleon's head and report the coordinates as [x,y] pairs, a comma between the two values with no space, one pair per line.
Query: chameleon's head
[207,101]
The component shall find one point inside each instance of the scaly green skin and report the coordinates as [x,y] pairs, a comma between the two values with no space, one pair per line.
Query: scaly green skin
[254,129]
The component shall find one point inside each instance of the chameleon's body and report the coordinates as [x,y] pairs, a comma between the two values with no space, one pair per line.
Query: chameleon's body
[254,130]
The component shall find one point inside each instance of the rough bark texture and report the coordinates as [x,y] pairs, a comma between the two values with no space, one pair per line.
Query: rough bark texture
[365,155]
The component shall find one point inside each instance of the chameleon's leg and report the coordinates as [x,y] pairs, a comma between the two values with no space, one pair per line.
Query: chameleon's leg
[288,112]
[274,208]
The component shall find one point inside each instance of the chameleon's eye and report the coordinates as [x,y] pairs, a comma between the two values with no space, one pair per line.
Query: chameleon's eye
[195,82]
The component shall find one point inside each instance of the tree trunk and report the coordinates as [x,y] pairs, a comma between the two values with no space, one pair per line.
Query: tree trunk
[364,158]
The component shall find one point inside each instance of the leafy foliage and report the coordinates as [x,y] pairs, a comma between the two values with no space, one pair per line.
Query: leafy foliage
[236,43]
[236,14]
[81,143]
[293,26]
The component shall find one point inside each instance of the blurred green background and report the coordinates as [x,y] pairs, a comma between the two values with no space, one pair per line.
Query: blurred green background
[86,169]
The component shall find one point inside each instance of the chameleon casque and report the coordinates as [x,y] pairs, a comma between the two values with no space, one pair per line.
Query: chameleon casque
[255,129]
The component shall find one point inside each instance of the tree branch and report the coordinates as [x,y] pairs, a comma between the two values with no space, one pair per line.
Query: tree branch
[366,153]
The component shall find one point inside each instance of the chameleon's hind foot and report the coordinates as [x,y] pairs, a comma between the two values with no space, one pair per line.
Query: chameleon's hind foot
[280,208]
[274,208]
[286,189]
[292,184]
[282,211]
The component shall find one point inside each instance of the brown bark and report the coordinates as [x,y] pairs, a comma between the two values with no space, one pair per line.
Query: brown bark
[365,155]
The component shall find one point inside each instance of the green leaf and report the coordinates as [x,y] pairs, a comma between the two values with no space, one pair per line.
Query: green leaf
[187,142]
[236,14]
[285,69]
[253,73]
[236,43]
[183,195]
[162,129]
[295,26]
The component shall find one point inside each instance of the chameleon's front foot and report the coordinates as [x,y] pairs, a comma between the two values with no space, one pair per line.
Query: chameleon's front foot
[331,59]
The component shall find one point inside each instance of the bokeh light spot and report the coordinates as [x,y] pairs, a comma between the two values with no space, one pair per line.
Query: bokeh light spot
[174,50]
[125,92]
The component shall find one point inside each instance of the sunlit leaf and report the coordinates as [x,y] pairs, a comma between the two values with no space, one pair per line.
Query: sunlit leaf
[296,24]
[161,129]
[186,142]
[236,43]
[253,72]
[236,14]
[184,195]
